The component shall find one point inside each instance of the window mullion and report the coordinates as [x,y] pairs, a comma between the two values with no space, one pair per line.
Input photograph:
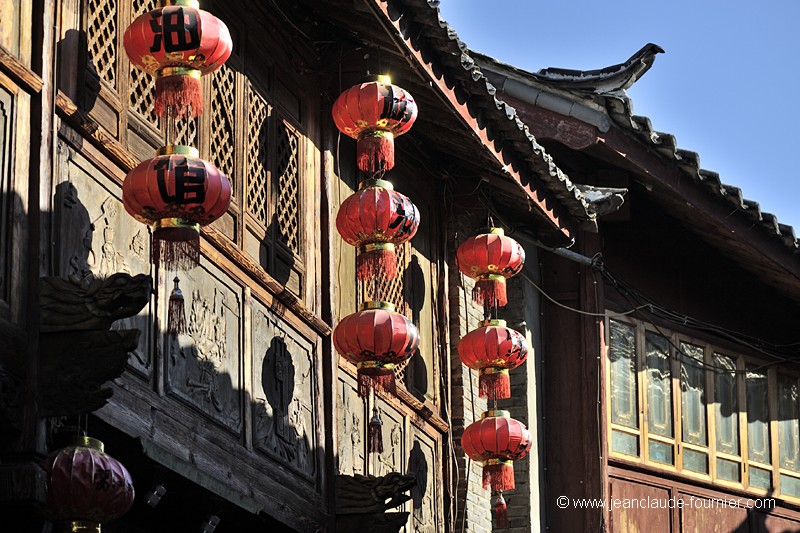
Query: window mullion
[741,398]
[642,392]
[772,391]
[711,415]
[677,404]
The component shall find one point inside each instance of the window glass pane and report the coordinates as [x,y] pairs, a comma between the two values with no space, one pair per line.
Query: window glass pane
[659,385]
[693,401]
[726,407]
[758,443]
[790,486]
[622,358]
[728,470]
[624,442]
[760,478]
[661,452]
[695,461]
[788,426]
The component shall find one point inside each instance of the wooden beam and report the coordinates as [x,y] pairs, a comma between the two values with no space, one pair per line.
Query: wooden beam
[18,72]
[538,197]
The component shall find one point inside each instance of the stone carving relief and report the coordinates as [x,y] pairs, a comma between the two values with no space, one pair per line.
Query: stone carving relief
[93,238]
[421,463]
[350,427]
[204,363]
[284,419]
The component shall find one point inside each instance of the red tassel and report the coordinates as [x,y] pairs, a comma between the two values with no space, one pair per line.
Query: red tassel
[495,385]
[501,512]
[374,434]
[375,152]
[176,248]
[176,317]
[490,292]
[376,263]
[498,477]
[178,96]
[378,378]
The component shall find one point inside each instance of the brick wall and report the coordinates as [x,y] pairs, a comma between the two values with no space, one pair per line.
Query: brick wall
[474,504]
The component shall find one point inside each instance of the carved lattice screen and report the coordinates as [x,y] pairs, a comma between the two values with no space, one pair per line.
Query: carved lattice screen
[142,86]
[287,209]
[258,111]
[186,131]
[102,39]
[223,120]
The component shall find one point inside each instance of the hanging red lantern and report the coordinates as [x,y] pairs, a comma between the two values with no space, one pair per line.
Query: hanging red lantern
[374,113]
[497,440]
[375,219]
[178,43]
[86,487]
[490,258]
[176,192]
[376,339]
[493,349]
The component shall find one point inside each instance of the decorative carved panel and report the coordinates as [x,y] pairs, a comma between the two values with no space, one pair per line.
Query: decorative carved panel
[96,238]
[284,420]
[426,512]
[394,442]
[258,110]
[287,208]
[351,427]
[223,121]
[204,365]
[142,86]
[102,39]
[186,131]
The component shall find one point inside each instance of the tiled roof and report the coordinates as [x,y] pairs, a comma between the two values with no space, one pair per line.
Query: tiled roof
[500,119]
[605,89]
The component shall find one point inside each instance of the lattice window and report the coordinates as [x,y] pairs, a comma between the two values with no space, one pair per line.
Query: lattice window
[102,39]
[287,209]
[143,86]
[186,131]
[223,98]
[257,112]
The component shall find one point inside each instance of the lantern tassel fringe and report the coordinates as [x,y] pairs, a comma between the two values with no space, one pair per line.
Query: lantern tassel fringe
[375,152]
[180,96]
[496,386]
[489,292]
[176,248]
[376,379]
[501,512]
[499,477]
[176,316]
[375,434]
[381,264]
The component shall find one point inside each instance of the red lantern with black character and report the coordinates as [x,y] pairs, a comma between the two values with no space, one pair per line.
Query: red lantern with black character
[493,349]
[490,258]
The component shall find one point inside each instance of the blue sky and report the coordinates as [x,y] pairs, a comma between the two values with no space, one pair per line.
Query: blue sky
[727,86]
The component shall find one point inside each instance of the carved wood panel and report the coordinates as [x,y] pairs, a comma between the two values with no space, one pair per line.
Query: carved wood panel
[426,504]
[142,86]
[284,419]
[287,208]
[394,441]
[204,365]
[350,427]
[95,238]
[223,122]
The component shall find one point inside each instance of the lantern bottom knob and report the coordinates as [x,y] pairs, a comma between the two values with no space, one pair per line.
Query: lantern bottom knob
[78,526]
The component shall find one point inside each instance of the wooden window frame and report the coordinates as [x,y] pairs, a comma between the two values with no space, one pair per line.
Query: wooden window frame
[644,436]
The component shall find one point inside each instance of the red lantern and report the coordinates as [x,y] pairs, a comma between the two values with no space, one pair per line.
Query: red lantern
[178,43]
[376,339]
[493,349]
[490,258]
[375,219]
[176,192]
[497,440]
[374,113]
[87,488]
